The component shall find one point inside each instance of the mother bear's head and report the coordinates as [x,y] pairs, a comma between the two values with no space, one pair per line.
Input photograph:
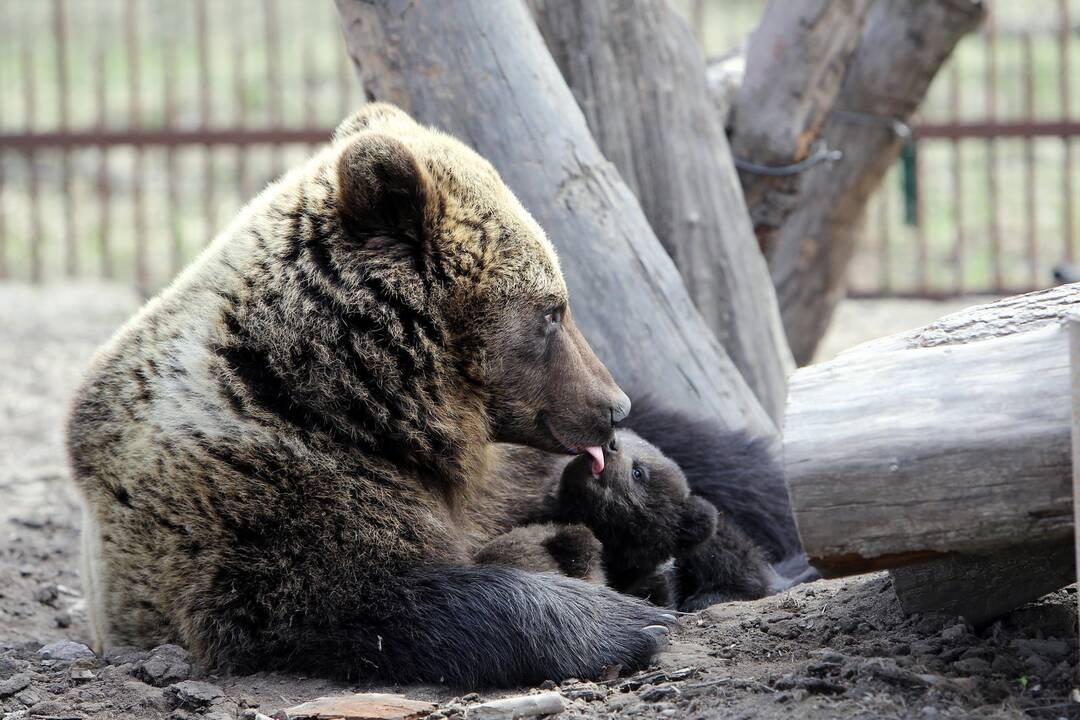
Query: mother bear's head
[412,192]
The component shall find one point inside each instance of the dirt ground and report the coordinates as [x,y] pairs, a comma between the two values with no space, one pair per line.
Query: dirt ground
[831,649]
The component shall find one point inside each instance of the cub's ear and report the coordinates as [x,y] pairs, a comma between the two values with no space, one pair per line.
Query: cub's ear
[696,524]
[382,189]
[372,116]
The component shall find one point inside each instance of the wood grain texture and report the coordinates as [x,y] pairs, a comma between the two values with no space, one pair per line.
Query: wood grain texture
[980,588]
[903,45]
[480,71]
[950,439]
[637,74]
[795,63]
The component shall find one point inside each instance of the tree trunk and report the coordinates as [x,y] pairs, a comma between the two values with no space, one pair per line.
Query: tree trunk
[795,64]
[637,74]
[480,71]
[950,439]
[903,46]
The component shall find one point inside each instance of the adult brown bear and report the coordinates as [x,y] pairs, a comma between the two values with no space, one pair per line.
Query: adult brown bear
[282,455]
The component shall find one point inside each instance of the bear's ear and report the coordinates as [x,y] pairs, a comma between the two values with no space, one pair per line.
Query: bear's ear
[382,189]
[696,524]
[371,117]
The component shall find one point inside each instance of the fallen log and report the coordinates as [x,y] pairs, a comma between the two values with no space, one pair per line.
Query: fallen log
[982,587]
[480,70]
[949,439]
[638,76]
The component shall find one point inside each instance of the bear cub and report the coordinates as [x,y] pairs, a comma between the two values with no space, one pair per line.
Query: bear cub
[656,540]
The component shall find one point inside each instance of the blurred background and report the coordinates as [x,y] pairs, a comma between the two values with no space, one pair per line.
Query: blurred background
[132,130]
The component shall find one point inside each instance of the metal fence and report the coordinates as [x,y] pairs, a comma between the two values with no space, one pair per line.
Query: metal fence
[132,130]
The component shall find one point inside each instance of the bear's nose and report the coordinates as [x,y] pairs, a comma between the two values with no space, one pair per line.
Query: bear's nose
[620,409]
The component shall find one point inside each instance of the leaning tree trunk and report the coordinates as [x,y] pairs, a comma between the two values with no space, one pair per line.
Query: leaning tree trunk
[795,64]
[638,76]
[480,70]
[950,444]
[904,44]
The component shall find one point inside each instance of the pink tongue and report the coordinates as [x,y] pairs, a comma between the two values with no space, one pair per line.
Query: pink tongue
[597,456]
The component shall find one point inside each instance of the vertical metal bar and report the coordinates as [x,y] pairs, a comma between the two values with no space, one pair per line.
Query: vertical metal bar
[273,75]
[104,191]
[346,76]
[310,79]
[991,153]
[697,17]
[101,112]
[171,200]
[885,247]
[240,92]
[1064,35]
[202,40]
[922,253]
[29,75]
[959,258]
[60,40]
[1030,206]
[5,272]
[131,40]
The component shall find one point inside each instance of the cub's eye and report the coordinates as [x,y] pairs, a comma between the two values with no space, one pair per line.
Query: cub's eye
[553,317]
[638,473]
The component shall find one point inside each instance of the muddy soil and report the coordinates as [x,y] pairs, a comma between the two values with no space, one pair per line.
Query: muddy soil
[831,649]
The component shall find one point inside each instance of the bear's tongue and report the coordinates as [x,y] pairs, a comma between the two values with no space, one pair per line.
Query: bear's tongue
[597,456]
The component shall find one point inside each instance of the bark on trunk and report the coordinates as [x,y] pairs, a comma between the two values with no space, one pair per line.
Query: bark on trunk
[480,71]
[903,46]
[950,439]
[639,78]
[795,64]
[982,587]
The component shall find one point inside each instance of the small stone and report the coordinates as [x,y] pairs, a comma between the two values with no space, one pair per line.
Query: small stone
[471,697]
[166,665]
[62,619]
[682,674]
[361,706]
[972,666]
[954,632]
[1052,650]
[192,694]
[123,654]
[586,693]
[14,684]
[660,692]
[47,594]
[65,651]
[80,674]
[29,697]
[548,685]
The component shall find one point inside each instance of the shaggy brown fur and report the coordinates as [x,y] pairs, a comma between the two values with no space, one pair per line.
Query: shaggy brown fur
[282,456]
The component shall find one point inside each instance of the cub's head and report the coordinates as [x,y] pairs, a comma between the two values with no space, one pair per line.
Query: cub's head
[469,253]
[638,505]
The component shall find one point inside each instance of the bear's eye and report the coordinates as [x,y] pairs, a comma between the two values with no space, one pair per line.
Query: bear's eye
[638,473]
[553,316]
